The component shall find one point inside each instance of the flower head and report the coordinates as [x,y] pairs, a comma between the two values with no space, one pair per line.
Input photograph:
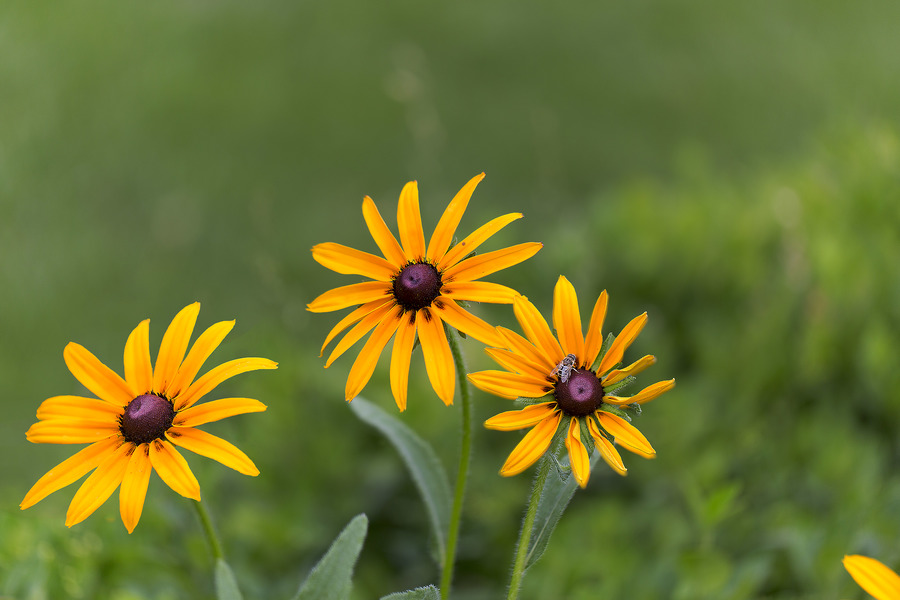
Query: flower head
[579,394]
[135,423]
[873,577]
[415,289]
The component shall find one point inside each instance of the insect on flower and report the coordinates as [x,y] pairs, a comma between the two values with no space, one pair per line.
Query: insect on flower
[565,368]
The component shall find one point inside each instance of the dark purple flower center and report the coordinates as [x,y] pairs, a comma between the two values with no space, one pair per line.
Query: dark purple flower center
[417,285]
[146,418]
[581,395]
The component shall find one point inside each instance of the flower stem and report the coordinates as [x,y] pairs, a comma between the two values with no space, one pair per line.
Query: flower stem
[215,546]
[462,475]
[518,570]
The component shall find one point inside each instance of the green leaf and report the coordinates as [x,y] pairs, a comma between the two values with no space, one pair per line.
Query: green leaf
[226,584]
[422,593]
[423,464]
[554,500]
[331,578]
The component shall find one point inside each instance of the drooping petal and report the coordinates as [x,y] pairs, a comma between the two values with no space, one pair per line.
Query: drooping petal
[216,410]
[383,237]
[606,449]
[513,420]
[138,368]
[510,385]
[350,295]
[96,376]
[617,375]
[520,345]
[567,318]
[173,469]
[593,342]
[173,346]
[77,407]
[365,362]
[409,222]
[516,363]
[71,431]
[481,265]
[210,446]
[479,291]
[645,395]
[134,486]
[215,376]
[620,344]
[532,446]
[99,485]
[401,353]
[626,434]
[349,320]
[438,358]
[446,227]
[208,341]
[873,576]
[350,261]
[459,318]
[471,242]
[578,456]
[70,470]
[536,329]
[365,325]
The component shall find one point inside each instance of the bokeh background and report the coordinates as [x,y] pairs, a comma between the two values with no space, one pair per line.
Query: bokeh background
[731,167]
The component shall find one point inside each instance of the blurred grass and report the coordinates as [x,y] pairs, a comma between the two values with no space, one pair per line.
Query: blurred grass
[731,168]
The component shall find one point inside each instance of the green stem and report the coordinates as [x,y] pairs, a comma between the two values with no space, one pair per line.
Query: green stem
[462,475]
[518,570]
[215,546]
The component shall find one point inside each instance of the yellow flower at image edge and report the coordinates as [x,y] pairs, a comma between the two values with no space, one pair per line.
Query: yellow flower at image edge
[135,423]
[561,366]
[415,289]
[874,577]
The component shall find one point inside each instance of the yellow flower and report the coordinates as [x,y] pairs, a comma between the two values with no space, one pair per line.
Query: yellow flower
[873,576]
[562,365]
[135,423]
[415,290]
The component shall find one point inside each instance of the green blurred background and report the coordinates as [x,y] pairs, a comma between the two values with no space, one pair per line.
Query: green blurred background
[733,168]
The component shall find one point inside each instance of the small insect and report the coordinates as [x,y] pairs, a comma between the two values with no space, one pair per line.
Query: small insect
[565,367]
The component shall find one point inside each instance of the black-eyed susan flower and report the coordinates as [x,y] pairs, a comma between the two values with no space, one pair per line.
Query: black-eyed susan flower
[415,289]
[873,576]
[135,423]
[579,392]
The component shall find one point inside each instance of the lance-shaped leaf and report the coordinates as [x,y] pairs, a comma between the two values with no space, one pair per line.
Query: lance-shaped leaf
[331,578]
[422,593]
[226,584]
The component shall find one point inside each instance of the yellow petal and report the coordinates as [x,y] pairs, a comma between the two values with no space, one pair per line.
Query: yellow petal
[462,320]
[567,319]
[479,291]
[645,395]
[349,320]
[138,369]
[510,385]
[529,351]
[77,407]
[174,345]
[593,342]
[873,576]
[96,376]
[620,344]
[71,431]
[351,295]
[607,450]
[99,485]
[532,446]
[70,470]
[400,357]
[536,329]
[475,239]
[365,325]
[216,410]
[617,375]
[213,447]
[208,341]
[481,265]
[446,227]
[626,434]
[578,456]
[173,469]
[365,362]
[134,486]
[516,363]
[513,420]
[438,359]
[215,376]
[349,261]
[409,221]
[386,241]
